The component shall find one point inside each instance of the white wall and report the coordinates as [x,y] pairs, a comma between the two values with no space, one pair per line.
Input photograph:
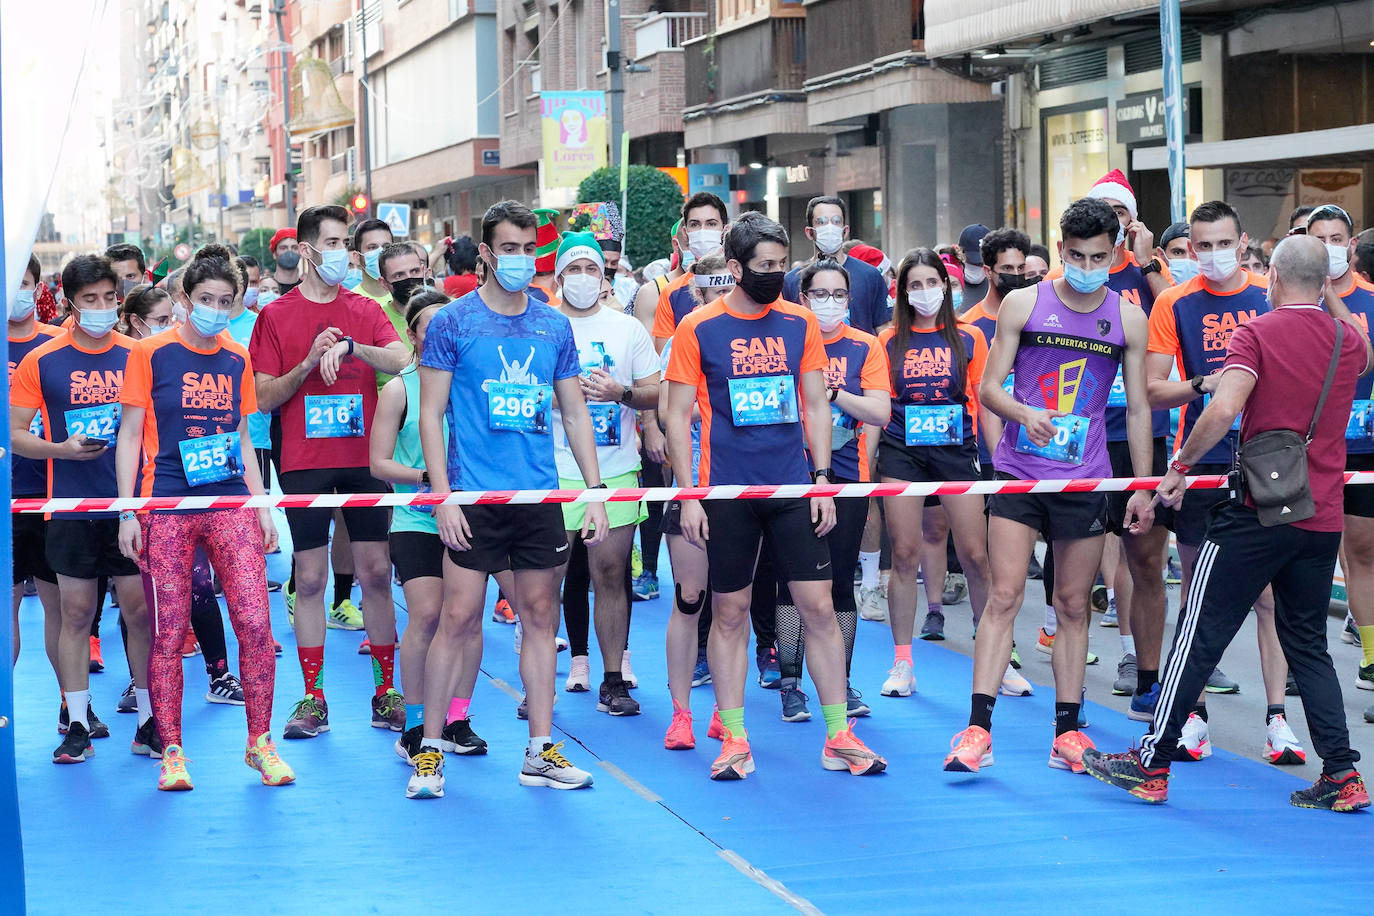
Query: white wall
[427,100]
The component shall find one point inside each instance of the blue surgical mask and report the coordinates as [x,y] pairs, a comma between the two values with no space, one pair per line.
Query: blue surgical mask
[514,271]
[958,296]
[98,322]
[372,263]
[1182,269]
[209,321]
[22,306]
[250,297]
[353,278]
[264,299]
[1085,281]
[333,266]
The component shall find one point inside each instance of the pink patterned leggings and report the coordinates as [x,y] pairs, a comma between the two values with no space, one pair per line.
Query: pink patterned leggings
[232,540]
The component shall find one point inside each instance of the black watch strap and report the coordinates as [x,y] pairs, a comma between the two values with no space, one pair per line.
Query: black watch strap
[1151,267]
[822,472]
[1196,382]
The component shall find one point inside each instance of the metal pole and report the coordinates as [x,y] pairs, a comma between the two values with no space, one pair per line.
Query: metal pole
[617,87]
[219,150]
[1171,41]
[279,11]
[362,100]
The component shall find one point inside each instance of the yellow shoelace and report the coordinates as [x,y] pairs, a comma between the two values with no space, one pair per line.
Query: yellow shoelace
[552,755]
[427,763]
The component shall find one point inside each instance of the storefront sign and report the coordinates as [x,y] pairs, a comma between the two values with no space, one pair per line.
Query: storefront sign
[1140,116]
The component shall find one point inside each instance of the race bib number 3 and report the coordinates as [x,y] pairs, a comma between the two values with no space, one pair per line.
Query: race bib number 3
[763,401]
[99,422]
[519,408]
[934,424]
[333,416]
[605,423]
[1361,425]
[210,459]
[1067,446]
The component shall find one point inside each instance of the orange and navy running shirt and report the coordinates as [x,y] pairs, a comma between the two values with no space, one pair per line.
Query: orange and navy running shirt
[76,392]
[856,362]
[29,476]
[1193,323]
[192,403]
[926,375]
[748,370]
[675,302]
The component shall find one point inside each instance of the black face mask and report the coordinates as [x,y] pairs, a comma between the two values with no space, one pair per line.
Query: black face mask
[402,290]
[763,288]
[289,260]
[1009,283]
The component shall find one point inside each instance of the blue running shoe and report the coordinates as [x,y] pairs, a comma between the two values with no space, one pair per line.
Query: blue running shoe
[1083,709]
[1109,618]
[1143,705]
[701,674]
[645,586]
[770,675]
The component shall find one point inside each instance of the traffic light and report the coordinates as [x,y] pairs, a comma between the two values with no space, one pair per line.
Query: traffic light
[360,203]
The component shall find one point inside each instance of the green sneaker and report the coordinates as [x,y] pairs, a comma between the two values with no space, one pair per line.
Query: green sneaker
[636,563]
[1015,657]
[288,597]
[345,616]
[1365,678]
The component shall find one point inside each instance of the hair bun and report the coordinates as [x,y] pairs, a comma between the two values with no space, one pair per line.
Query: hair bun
[213,250]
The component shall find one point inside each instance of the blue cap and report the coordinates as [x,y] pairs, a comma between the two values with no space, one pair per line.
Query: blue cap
[970,240]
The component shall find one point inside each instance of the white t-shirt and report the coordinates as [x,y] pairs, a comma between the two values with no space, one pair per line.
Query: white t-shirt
[617,343]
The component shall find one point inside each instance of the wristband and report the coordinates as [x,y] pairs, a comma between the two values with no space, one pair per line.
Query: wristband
[128,515]
[1177,465]
[834,393]
[350,345]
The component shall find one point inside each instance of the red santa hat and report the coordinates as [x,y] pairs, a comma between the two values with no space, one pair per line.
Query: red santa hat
[1114,185]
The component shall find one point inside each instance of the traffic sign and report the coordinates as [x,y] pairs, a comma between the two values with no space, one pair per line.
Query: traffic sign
[395,215]
[168,233]
[182,252]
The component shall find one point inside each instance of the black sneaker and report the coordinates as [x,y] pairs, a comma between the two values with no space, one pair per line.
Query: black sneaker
[1125,772]
[97,729]
[616,700]
[225,689]
[128,701]
[1347,795]
[147,742]
[408,745]
[459,738]
[76,747]
[1290,688]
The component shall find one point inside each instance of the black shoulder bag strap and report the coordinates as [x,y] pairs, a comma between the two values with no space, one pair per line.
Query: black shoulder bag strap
[1330,378]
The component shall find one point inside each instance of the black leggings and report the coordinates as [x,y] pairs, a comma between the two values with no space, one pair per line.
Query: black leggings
[206,621]
[850,517]
[577,604]
[651,529]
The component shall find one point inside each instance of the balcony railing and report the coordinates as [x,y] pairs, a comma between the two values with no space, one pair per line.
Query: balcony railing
[769,55]
[849,33]
[663,31]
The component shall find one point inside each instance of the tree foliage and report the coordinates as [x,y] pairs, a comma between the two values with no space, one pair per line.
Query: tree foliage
[254,243]
[653,201]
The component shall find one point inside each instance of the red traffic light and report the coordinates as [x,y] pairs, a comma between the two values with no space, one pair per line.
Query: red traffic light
[360,203]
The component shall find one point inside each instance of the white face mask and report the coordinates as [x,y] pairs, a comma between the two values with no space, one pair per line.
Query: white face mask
[1218,265]
[1337,260]
[974,273]
[581,291]
[830,314]
[829,238]
[703,241]
[926,301]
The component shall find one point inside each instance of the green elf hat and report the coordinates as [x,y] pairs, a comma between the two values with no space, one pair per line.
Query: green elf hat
[546,238]
[578,245]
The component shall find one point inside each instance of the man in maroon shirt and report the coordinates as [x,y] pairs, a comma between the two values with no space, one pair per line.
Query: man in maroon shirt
[1280,361]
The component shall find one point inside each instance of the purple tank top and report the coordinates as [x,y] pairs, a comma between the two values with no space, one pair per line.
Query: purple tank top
[1066,361]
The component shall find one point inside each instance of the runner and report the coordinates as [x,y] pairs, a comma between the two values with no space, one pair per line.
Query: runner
[827,225]
[752,436]
[73,381]
[186,400]
[1064,340]
[704,219]
[128,264]
[370,237]
[286,251]
[315,351]
[488,356]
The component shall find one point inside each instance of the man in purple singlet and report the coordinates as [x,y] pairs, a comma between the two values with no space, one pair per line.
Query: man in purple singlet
[1064,339]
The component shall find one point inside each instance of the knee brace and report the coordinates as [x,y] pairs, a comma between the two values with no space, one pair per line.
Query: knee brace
[690,608]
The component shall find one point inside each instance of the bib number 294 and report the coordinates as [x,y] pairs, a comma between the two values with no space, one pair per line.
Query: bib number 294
[763,401]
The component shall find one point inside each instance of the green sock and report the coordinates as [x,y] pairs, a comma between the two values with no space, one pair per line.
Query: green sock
[1367,644]
[834,714]
[733,720]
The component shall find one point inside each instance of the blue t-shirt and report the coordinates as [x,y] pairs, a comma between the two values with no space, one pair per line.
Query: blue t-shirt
[500,408]
[868,308]
[259,423]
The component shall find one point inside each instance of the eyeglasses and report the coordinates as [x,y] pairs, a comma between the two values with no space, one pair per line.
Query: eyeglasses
[822,296]
[820,221]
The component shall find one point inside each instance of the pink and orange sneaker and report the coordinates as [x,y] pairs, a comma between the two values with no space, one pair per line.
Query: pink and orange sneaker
[846,752]
[1067,751]
[970,750]
[735,760]
[715,729]
[1044,642]
[172,775]
[679,736]
[262,756]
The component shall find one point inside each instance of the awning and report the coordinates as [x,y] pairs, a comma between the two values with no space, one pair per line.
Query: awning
[960,26]
[1336,146]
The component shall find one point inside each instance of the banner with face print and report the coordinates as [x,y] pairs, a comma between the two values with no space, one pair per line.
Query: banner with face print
[574,129]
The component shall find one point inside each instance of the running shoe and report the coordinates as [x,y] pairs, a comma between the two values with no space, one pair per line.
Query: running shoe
[172,775]
[365,647]
[1083,708]
[679,736]
[579,675]
[1217,682]
[1099,599]
[1173,573]
[389,710]
[95,729]
[189,647]
[273,585]
[645,586]
[956,587]
[288,599]
[128,700]
[1044,642]
[344,616]
[262,756]
[309,717]
[1066,753]
[1034,570]
[735,760]
[457,737]
[855,707]
[1195,742]
[969,751]
[1015,657]
[871,605]
[75,747]
[794,705]
[147,742]
[408,745]
[428,779]
[560,644]
[1369,715]
[616,700]
[1282,747]
[1364,679]
[1109,618]
[1125,772]
[770,675]
[1143,705]
[225,689]
[97,663]
[636,562]
[716,728]
[502,612]
[901,680]
[846,752]
[1014,685]
[626,673]
[276,648]
[1126,676]
[1350,634]
[551,769]
[933,629]
[523,710]
[1345,796]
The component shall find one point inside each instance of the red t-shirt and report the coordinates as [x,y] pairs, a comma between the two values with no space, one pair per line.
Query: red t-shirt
[459,285]
[1288,351]
[323,426]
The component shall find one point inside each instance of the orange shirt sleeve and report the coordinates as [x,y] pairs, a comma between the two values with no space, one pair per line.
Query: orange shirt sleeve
[684,365]
[664,325]
[137,390]
[1163,327]
[874,375]
[885,345]
[25,388]
[977,360]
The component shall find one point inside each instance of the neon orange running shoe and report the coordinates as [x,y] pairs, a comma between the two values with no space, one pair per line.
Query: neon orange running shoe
[735,760]
[846,752]
[262,756]
[1067,751]
[679,736]
[97,663]
[172,775]
[969,750]
[1044,642]
[715,729]
[503,613]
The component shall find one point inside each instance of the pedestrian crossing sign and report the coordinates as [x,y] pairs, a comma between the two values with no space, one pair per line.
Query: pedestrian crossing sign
[397,216]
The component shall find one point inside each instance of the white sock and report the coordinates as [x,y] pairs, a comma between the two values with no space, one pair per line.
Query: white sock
[536,745]
[145,704]
[868,563]
[1127,645]
[1051,621]
[1111,594]
[77,701]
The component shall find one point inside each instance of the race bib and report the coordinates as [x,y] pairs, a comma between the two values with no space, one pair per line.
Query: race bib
[1361,424]
[842,429]
[605,423]
[333,416]
[1117,396]
[99,422]
[519,408]
[1009,383]
[1235,424]
[1067,446]
[934,424]
[763,401]
[36,425]
[210,459]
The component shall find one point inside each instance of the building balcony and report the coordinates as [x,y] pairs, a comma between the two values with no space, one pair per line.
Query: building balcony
[851,33]
[655,95]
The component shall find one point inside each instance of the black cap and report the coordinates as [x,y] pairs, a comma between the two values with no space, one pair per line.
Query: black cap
[1175,231]
[970,240]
